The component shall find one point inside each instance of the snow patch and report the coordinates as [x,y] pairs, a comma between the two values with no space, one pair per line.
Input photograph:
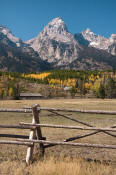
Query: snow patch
[94,43]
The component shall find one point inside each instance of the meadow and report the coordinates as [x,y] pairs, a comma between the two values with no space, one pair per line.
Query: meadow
[60,159]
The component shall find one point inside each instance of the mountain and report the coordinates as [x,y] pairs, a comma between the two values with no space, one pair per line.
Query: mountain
[88,38]
[9,38]
[55,44]
[15,56]
[56,48]
[95,59]
[18,60]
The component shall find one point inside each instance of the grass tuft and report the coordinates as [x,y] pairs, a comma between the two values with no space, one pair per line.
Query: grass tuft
[51,166]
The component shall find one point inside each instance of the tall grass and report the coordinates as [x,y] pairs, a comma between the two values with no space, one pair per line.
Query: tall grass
[51,166]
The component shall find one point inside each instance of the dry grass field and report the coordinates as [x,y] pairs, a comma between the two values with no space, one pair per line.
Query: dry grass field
[60,159]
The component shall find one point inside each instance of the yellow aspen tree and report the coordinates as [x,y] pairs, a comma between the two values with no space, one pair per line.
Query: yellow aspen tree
[10,92]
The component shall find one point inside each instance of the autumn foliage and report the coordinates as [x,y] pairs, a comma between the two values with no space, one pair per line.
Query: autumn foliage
[100,84]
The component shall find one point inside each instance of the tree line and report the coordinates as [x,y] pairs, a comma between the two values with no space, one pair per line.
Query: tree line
[101,84]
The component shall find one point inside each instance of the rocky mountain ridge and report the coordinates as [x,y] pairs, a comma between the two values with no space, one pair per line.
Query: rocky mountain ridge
[15,56]
[8,34]
[56,48]
[90,39]
[55,44]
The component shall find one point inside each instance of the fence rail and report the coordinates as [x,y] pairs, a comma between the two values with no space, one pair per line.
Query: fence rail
[29,110]
[17,126]
[70,144]
[25,143]
[35,135]
[67,127]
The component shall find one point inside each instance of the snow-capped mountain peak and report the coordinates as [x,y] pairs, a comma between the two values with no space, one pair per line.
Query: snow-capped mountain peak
[5,31]
[90,39]
[89,35]
[55,43]
[57,26]
[88,31]
[56,21]
[57,46]
[94,40]
[113,38]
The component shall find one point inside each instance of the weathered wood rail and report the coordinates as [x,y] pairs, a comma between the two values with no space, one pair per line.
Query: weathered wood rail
[35,136]
[29,110]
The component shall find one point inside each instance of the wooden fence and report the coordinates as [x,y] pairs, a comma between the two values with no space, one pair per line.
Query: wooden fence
[35,135]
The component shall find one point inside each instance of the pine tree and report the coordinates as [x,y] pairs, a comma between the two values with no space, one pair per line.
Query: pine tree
[110,88]
[101,91]
[73,91]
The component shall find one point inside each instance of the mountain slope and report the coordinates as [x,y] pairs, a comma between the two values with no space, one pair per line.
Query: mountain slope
[55,44]
[95,59]
[16,56]
[6,33]
[56,48]
[88,38]
[17,60]
[65,51]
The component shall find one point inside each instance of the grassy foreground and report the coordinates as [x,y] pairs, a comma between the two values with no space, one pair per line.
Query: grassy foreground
[106,104]
[63,166]
[60,159]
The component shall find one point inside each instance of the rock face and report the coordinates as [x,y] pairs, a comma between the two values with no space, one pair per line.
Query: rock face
[15,56]
[56,48]
[20,60]
[55,44]
[90,39]
[5,33]
[64,51]
[112,39]
[112,46]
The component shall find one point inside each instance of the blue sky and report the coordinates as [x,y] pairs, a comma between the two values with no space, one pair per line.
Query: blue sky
[26,18]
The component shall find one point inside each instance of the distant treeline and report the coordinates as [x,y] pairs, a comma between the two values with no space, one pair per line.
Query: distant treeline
[101,84]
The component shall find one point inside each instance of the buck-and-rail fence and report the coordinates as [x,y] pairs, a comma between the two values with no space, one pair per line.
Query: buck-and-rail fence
[35,135]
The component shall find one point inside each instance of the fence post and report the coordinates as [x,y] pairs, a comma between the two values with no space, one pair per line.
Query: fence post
[38,129]
[30,149]
[35,120]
